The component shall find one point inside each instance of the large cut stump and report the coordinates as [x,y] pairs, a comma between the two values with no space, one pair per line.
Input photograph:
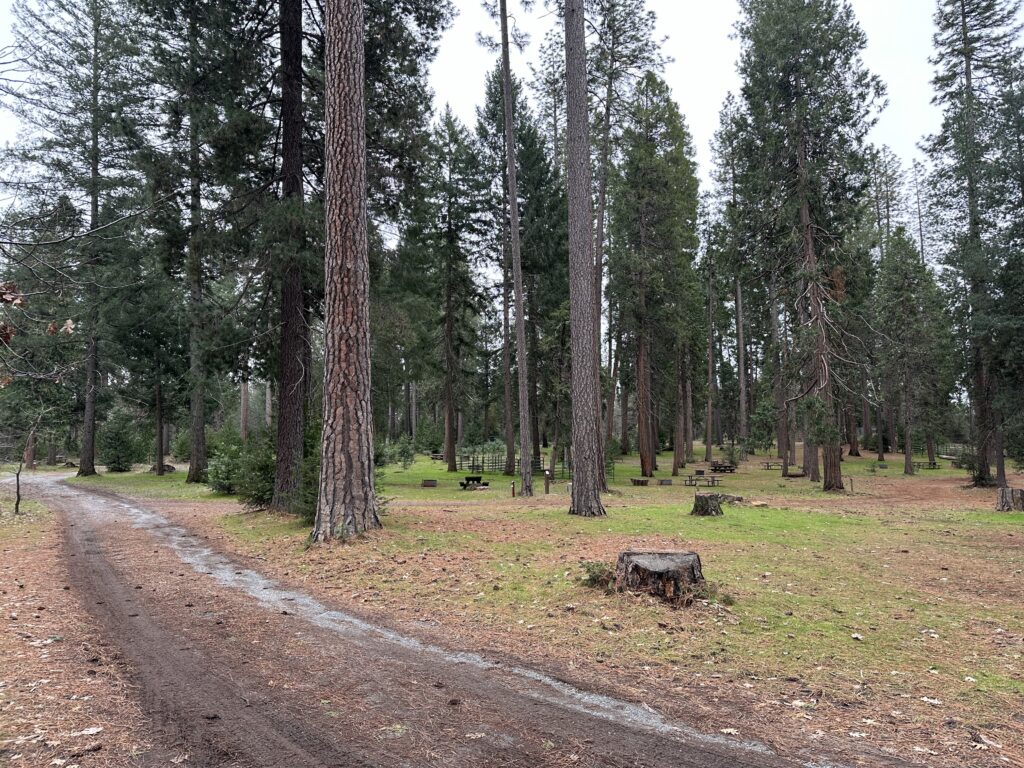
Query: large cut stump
[671,576]
[1010,500]
[707,505]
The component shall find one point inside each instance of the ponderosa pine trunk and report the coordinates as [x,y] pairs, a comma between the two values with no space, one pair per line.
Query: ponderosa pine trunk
[158,444]
[609,416]
[347,503]
[880,437]
[512,195]
[689,405]
[292,371]
[588,462]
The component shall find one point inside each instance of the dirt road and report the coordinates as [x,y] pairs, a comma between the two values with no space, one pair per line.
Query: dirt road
[235,670]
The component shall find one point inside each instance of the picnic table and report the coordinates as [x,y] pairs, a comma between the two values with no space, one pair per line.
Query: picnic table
[437,457]
[770,465]
[472,482]
[723,466]
[925,465]
[710,481]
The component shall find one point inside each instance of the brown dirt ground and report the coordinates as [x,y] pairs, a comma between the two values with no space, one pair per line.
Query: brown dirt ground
[65,699]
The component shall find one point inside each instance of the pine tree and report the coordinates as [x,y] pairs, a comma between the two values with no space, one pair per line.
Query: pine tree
[974,44]
[347,503]
[807,105]
[586,443]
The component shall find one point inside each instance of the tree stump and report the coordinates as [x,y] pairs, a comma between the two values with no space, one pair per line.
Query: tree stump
[707,505]
[670,576]
[1010,500]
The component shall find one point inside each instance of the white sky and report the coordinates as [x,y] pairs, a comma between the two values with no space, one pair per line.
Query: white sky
[698,31]
[704,69]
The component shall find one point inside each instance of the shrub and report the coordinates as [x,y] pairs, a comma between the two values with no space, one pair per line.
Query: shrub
[254,481]
[181,445]
[225,469]
[118,444]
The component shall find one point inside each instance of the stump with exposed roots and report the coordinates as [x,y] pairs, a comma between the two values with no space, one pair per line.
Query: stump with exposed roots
[670,576]
[707,505]
[1010,500]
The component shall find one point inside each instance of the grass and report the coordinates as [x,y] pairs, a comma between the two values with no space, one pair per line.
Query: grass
[905,590]
[144,485]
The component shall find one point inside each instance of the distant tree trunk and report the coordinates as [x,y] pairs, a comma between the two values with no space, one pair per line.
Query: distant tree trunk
[87,459]
[506,360]
[998,445]
[609,416]
[741,362]
[588,463]
[158,444]
[689,405]
[881,436]
[28,456]
[624,445]
[679,438]
[292,375]
[414,419]
[535,427]
[51,451]
[243,411]
[908,421]
[644,422]
[347,502]
[268,404]
[890,427]
[450,434]
[778,386]
[931,449]
[865,417]
[709,411]
[851,431]
[522,351]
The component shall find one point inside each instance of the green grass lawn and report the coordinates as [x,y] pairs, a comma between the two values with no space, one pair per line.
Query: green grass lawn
[146,485]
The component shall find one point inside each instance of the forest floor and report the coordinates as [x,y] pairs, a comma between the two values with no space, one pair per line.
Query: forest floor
[861,628]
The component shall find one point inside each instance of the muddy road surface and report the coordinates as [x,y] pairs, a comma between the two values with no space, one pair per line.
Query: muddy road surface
[236,670]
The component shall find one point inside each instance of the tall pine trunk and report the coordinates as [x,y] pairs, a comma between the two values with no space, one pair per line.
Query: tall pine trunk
[243,411]
[506,361]
[741,361]
[292,373]
[709,411]
[588,463]
[522,351]
[644,408]
[347,503]
[908,420]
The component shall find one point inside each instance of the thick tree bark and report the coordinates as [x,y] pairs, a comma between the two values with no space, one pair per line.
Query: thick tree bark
[51,451]
[522,351]
[588,462]
[347,504]
[292,373]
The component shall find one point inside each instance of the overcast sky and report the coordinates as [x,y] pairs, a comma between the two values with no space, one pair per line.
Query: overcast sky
[704,68]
